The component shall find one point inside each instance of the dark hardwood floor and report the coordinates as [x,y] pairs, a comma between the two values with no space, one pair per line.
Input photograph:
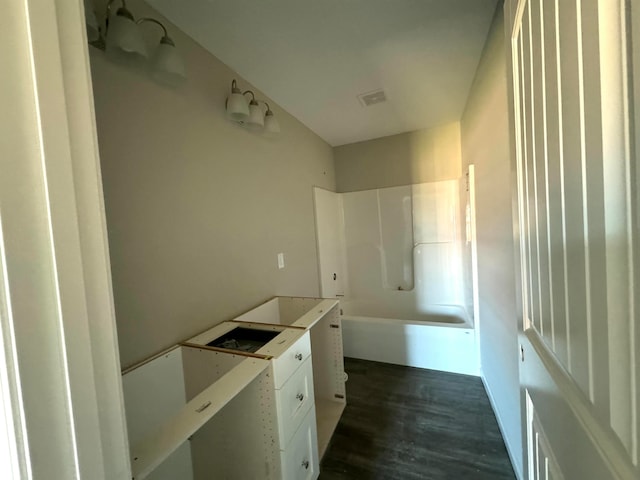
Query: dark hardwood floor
[407,423]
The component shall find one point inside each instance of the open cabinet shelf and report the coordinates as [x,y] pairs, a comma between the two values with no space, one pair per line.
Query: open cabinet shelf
[291,380]
[183,415]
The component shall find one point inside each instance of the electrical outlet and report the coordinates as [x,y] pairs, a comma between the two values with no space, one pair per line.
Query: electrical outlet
[281,261]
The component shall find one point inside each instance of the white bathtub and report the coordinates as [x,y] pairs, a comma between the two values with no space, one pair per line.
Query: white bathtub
[442,339]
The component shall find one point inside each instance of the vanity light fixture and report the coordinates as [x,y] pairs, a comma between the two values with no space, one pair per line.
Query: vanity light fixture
[237,108]
[271,124]
[250,114]
[121,39]
[166,64]
[256,115]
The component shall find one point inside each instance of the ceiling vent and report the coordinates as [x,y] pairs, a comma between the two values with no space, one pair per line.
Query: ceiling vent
[371,98]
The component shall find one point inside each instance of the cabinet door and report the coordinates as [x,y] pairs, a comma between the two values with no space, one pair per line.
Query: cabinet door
[291,360]
[294,401]
[300,459]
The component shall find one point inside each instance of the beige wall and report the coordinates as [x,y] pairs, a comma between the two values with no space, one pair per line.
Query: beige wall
[198,207]
[485,143]
[415,157]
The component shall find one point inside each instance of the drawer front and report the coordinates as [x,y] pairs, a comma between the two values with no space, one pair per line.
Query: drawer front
[300,459]
[294,400]
[291,360]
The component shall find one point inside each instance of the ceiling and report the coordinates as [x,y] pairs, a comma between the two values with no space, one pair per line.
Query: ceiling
[314,57]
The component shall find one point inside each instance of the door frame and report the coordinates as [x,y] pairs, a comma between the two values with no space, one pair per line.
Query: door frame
[81,427]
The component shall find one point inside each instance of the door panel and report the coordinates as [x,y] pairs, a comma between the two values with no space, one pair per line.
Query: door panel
[544,465]
[577,212]
[329,235]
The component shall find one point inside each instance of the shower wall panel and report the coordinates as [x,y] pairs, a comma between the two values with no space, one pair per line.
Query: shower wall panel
[404,247]
[396,234]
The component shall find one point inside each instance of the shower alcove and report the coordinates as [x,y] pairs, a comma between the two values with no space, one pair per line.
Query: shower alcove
[402,261]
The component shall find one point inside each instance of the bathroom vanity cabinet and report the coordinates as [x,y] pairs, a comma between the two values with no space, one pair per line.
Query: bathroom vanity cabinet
[256,397]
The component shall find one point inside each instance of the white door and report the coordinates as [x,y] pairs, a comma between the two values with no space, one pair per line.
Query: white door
[577,212]
[60,389]
[330,241]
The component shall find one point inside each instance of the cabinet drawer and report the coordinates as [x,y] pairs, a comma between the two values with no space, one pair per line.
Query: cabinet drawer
[289,361]
[300,459]
[294,400]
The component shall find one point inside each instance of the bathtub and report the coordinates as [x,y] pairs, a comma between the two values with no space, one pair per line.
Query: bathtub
[441,339]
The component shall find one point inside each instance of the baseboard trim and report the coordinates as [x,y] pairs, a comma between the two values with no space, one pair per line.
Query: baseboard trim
[516,468]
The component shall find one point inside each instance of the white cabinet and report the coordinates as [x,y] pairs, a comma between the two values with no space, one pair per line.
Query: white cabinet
[299,460]
[174,402]
[291,359]
[322,319]
[291,379]
[294,400]
[253,398]
[295,404]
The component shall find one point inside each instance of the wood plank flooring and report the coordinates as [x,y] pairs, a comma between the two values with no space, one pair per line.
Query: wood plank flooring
[407,423]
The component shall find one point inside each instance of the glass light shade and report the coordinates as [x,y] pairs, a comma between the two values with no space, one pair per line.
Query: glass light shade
[91,22]
[166,64]
[256,115]
[237,108]
[124,42]
[271,124]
